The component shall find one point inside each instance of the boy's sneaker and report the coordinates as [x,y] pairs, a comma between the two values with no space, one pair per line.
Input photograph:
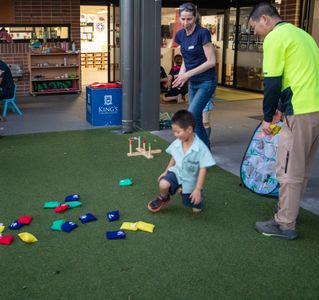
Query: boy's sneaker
[271,228]
[156,204]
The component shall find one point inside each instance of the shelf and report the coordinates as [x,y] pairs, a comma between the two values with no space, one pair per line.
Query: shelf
[94,59]
[54,54]
[57,91]
[54,79]
[48,73]
[54,67]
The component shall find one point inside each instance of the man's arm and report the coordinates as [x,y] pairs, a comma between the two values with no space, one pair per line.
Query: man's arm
[272,92]
[274,62]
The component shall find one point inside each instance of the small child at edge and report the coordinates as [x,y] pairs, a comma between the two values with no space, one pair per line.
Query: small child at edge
[187,168]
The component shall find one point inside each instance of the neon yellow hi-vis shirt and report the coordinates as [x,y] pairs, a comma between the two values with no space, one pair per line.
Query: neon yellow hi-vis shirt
[293,54]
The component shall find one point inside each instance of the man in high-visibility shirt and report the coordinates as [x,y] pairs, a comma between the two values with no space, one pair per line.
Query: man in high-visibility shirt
[291,91]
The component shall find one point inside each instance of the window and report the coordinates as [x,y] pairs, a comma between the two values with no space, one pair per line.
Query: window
[42,33]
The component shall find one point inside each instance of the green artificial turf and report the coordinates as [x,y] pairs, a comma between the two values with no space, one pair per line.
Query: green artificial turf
[213,255]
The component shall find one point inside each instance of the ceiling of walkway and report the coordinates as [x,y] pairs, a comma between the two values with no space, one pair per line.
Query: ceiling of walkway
[199,3]
[171,3]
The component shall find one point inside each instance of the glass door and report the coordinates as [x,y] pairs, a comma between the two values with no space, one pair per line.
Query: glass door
[94,43]
[113,37]
[215,24]
[249,54]
[229,48]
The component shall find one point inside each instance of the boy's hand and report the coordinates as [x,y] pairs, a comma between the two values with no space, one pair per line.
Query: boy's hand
[162,175]
[196,197]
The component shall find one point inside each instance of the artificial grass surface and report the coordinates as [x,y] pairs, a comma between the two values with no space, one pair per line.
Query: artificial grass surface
[212,255]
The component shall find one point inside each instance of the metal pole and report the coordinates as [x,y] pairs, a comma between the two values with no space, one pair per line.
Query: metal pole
[150,47]
[137,64]
[127,66]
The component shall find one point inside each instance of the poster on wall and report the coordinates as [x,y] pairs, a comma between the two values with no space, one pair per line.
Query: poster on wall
[83,18]
[91,17]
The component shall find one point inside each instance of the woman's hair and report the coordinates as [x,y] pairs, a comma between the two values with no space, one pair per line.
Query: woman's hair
[183,118]
[189,7]
[263,8]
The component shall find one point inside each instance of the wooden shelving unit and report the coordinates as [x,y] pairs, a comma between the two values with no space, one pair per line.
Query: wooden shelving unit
[94,60]
[54,73]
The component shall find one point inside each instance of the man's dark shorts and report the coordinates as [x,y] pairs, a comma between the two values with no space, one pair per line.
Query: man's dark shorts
[174,186]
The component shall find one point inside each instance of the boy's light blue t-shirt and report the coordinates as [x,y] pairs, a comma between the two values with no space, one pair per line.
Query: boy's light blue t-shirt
[187,164]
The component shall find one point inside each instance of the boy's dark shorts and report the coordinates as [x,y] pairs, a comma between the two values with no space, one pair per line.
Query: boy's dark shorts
[172,179]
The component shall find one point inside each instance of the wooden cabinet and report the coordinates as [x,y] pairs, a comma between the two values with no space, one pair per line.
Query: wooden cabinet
[54,73]
[94,60]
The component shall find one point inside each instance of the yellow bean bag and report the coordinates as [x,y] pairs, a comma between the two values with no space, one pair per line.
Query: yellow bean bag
[129,226]
[145,226]
[27,237]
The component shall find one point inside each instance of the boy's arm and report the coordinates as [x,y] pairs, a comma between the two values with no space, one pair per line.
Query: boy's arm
[170,164]
[196,195]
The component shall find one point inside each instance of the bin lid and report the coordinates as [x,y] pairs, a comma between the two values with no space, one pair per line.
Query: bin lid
[105,85]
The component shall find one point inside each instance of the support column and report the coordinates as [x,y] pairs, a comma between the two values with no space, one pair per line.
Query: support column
[127,51]
[140,63]
[150,63]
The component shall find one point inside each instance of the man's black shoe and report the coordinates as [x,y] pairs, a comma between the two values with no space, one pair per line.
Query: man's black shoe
[271,228]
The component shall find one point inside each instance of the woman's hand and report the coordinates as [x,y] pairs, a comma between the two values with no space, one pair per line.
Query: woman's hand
[180,80]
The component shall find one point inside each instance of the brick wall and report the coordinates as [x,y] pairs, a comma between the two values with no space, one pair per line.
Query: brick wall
[290,11]
[7,11]
[39,12]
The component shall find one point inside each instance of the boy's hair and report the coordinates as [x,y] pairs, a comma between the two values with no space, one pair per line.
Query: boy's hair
[183,118]
[263,8]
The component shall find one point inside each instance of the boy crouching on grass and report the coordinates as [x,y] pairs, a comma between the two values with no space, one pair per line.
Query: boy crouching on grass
[187,168]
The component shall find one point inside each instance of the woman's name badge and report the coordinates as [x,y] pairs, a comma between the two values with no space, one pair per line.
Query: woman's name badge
[190,47]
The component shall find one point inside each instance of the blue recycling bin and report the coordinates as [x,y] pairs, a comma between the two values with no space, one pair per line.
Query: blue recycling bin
[104,106]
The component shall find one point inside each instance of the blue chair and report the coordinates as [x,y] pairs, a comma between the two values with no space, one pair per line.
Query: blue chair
[11,104]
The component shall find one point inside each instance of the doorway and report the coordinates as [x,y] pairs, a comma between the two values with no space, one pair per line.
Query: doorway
[248,67]
[100,44]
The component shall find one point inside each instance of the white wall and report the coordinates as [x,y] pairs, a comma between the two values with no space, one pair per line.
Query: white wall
[95,15]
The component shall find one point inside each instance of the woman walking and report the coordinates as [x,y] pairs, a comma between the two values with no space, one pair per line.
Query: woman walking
[198,65]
